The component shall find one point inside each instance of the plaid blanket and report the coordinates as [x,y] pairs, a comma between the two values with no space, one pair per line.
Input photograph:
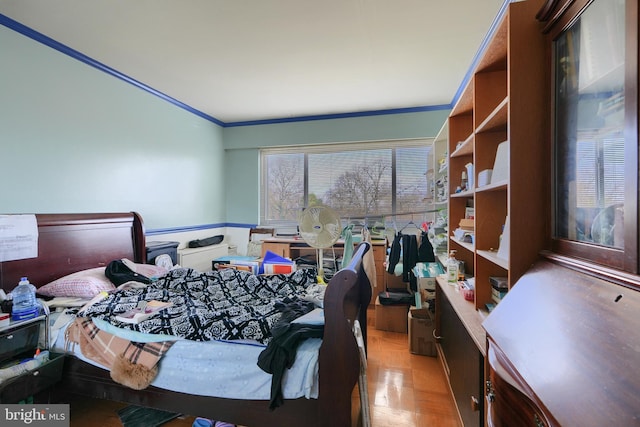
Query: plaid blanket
[132,364]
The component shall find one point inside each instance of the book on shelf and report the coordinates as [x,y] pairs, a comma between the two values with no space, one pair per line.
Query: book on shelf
[251,266]
[248,268]
[143,311]
[279,268]
[499,283]
[497,295]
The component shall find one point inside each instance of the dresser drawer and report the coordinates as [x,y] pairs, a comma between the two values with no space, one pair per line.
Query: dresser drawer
[17,342]
[380,253]
[32,382]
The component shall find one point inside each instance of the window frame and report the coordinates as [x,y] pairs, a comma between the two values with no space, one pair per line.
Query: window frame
[340,147]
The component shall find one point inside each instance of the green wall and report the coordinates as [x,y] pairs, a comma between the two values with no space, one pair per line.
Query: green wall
[75,139]
[243,145]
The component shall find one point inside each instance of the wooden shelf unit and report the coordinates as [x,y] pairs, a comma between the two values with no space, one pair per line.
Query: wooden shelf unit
[503,101]
[440,153]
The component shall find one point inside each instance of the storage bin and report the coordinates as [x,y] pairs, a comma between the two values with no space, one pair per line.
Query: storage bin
[18,388]
[155,249]
[421,339]
[19,342]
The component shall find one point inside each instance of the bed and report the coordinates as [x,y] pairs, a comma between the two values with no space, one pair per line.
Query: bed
[73,242]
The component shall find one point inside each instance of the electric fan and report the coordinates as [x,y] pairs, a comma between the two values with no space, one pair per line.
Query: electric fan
[320,227]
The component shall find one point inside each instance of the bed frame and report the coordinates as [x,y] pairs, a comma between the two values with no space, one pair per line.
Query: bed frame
[72,242]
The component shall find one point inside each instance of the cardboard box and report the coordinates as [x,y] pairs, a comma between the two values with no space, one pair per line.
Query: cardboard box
[427,284]
[420,313]
[426,273]
[394,283]
[392,318]
[467,224]
[421,339]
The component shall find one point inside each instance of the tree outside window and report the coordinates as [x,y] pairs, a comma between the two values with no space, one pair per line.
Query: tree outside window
[360,181]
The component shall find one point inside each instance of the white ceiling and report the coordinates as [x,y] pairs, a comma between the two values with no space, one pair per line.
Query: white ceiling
[243,60]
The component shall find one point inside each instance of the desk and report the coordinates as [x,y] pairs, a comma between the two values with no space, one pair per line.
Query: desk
[291,247]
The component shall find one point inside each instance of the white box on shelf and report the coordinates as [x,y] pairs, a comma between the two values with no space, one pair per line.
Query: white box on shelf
[501,163]
[503,249]
[484,177]
[469,213]
[470,176]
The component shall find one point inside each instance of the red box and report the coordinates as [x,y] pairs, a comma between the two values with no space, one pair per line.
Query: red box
[467,291]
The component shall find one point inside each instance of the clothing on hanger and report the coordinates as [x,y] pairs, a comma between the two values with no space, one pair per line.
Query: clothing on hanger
[410,245]
[347,254]
[409,260]
[394,253]
[411,226]
[425,250]
[368,260]
[405,247]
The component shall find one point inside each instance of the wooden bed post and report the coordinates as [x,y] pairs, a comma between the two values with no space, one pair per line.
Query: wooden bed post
[346,299]
[139,242]
[72,242]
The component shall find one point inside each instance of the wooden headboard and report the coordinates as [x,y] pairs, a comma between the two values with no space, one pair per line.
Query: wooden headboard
[72,242]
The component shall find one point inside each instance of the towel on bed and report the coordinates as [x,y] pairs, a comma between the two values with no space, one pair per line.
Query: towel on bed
[132,364]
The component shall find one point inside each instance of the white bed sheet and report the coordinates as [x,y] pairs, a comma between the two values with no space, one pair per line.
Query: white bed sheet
[217,368]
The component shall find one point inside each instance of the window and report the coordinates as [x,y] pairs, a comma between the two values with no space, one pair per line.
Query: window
[359,180]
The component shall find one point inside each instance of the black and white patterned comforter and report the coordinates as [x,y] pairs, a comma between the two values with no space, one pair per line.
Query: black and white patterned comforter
[217,305]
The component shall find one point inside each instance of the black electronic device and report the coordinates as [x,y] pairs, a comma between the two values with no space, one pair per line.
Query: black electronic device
[200,243]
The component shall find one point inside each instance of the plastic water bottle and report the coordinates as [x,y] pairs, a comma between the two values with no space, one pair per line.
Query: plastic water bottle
[25,305]
[452,268]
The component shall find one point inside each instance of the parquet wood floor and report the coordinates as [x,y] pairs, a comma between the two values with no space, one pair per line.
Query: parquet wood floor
[405,389]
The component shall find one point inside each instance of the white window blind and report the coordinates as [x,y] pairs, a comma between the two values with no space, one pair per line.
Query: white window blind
[359,180]
[600,171]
